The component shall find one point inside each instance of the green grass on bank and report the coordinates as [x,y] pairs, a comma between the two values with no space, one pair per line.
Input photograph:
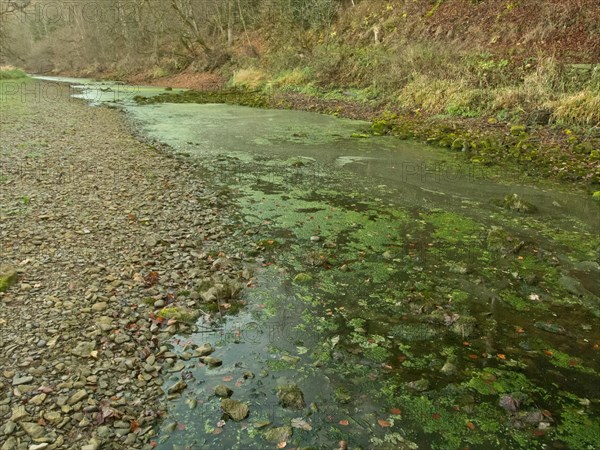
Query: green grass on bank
[433,78]
[11,73]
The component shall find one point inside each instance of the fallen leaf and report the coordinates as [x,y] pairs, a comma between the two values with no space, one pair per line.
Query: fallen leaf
[519,330]
[344,422]
[501,356]
[470,425]
[181,426]
[134,426]
[217,430]
[473,356]
[383,423]
[548,352]
[301,424]
[395,411]
[282,444]
[227,378]
[436,416]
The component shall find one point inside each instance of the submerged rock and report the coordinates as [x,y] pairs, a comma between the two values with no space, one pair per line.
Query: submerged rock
[236,410]
[550,327]
[177,387]
[223,391]
[211,362]
[203,350]
[291,396]
[302,278]
[279,434]
[515,203]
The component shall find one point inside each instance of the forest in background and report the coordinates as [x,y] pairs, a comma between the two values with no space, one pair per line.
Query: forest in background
[457,57]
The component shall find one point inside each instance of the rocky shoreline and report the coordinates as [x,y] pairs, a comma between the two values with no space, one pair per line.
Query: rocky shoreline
[115,247]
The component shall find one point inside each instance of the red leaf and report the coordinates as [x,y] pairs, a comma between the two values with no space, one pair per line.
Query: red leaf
[436,416]
[473,356]
[344,422]
[395,411]
[134,426]
[470,425]
[227,378]
[383,423]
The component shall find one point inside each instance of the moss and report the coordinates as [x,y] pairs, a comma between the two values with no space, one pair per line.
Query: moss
[8,277]
[179,313]
[234,97]
[302,278]
[566,361]
[578,430]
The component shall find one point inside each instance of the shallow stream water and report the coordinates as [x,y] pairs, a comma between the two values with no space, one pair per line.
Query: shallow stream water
[408,293]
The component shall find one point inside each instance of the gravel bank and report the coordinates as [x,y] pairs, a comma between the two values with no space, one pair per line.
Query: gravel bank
[103,232]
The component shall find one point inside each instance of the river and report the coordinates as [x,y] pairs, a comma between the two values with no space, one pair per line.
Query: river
[416,300]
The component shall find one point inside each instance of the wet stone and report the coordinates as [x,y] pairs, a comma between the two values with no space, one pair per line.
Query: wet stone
[236,410]
[279,434]
[223,391]
[290,396]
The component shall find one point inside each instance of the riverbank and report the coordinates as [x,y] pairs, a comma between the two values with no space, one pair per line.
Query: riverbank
[538,149]
[104,241]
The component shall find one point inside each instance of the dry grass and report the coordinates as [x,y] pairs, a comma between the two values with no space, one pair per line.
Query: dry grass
[291,78]
[576,109]
[442,96]
[249,78]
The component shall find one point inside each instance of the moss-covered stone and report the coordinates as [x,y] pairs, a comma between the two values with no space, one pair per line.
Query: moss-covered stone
[8,277]
[179,313]
[291,396]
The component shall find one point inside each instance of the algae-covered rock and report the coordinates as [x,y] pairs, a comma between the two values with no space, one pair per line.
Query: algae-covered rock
[179,313]
[302,278]
[236,410]
[465,326]
[498,240]
[290,396]
[177,387]
[203,350]
[211,362]
[515,203]
[279,434]
[223,391]
[8,277]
